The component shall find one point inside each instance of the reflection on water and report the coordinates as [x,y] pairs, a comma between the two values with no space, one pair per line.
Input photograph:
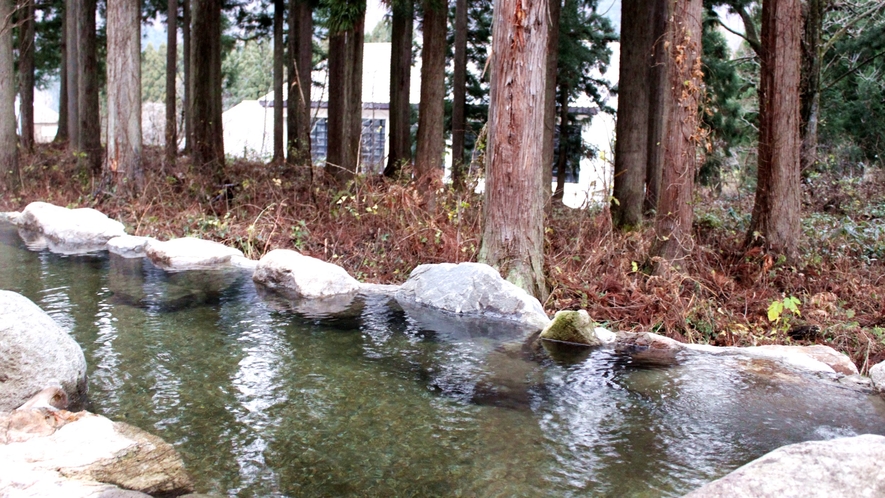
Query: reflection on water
[266,397]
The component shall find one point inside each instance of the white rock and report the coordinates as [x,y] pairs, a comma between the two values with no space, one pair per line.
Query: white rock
[70,231]
[839,467]
[243,262]
[877,375]
[82,454]
[302,276]
[34,353]
[128,246]
[190,253]
[605,336]
[11,217]
[471,288]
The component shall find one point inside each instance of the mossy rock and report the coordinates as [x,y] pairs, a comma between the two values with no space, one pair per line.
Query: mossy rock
[574,327]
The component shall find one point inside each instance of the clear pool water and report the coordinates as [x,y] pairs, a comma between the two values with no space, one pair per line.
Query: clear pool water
[267,397]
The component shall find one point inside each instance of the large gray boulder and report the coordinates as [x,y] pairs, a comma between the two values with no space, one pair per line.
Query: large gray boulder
[839,467]
[471,289]
[300,276]
[45,451]
[190,253]
[69,231]
[35,352]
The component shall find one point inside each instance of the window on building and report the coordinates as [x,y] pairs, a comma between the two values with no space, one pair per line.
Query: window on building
[319,139]
[371,142]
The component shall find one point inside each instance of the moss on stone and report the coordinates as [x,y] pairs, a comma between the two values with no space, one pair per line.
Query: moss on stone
[575,327]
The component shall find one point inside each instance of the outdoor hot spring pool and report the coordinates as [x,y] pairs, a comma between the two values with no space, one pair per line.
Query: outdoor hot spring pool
[265,397]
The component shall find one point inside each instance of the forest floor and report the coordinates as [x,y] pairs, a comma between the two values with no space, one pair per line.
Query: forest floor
[379,230]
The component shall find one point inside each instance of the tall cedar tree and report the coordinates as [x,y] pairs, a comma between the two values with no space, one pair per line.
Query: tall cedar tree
[631,148]
[674,213]
[658,104]
[775,221]
[171,65]
[73,72]
[188,98]
[513,234]
[26,72]
[279,7]
[8,137]
[208,148]
[123,166]
[347,21]
[550,98]
[431,110]
[400,76]
[298,95]
[61,134]
[89,138]
[459,94]
[813,18]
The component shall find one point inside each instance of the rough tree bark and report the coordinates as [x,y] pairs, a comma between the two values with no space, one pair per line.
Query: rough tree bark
[73,72]
[8,136]
[632,128]
[26,73]
[459,95]
[61,134]
[775,221]
[208,147]
[89,143]
[658,104]
[513,233]
[171,71]
[431,110]
[555,8]
[345,103]
[400,76]
[674,214]
[300,65]
[123,167]
[187,100]
[279,6]
[562,160]
[810,87]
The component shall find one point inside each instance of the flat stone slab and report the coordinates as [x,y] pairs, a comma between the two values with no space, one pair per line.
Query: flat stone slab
[471,289]
[814,469]
[70,231]
[190,253]
[128,246]
[302,276]
[35,352]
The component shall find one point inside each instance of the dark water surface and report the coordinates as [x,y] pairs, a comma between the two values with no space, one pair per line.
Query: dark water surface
[263,397]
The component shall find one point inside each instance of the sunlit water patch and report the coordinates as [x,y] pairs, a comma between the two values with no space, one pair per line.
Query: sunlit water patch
[266,397]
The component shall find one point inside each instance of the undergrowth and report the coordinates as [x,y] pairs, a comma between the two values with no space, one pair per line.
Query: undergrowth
[379,230]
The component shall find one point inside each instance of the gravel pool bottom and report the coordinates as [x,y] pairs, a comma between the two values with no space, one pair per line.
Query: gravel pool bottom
[267,397]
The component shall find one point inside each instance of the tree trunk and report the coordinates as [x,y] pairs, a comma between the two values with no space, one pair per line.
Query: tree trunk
[61,134]
[89,109]
[431,110]
[674,214]
[658,105]
[810,89]
[26,73]
[775,221]
[459,95]
[400,76]
[555,7]
[73,72]
[562,162]
[513,234]
[208,147]
[9,174]
[171,71]
[300,65]
[345,103]
[632,128]
[279,6]
[187,101]
[123,166]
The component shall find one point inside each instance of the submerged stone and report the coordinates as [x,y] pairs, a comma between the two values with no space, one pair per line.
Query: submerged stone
[70,231]
[574,327]
[190,253]
[303,276]
[471,289]
[839,467]
[35,352]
